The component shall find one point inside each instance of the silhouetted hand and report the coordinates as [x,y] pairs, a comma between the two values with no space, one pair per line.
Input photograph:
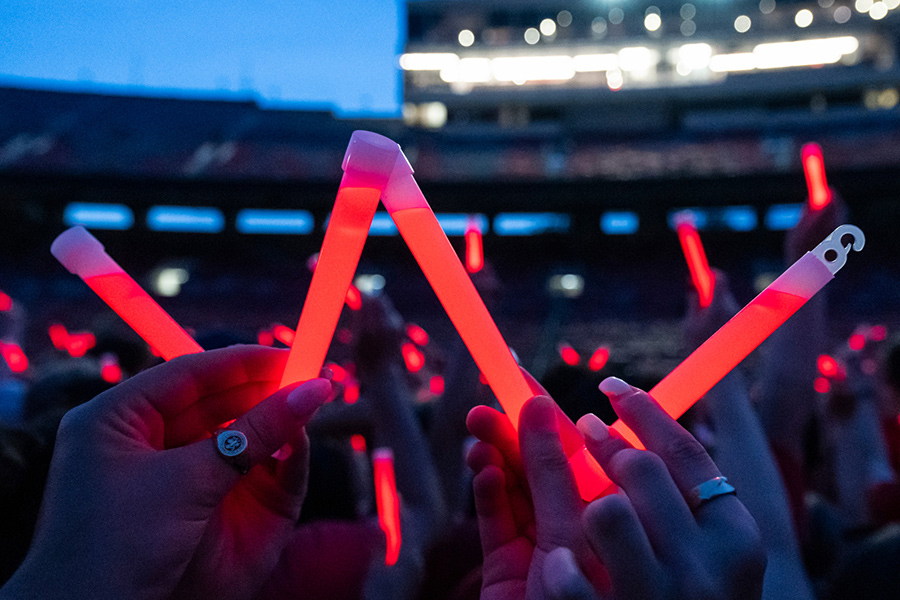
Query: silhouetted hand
[139,502]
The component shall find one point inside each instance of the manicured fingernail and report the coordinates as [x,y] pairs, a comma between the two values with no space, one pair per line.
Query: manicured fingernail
[614,387]
[593,428]
[307,397]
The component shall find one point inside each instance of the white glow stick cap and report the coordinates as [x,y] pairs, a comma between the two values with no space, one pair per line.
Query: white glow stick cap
[382,454]
[371,159]
[82,254]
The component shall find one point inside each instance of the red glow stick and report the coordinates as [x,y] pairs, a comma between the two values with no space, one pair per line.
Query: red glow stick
[354,208]
[569,355]
[14,357]
[351,392]
[354,298]
[598,359]
[412,356]
[58,335]
[83,255]
[110,370]
[417,334]
[857,341]
[6,302]
[827,366]
[358,442]
[737,338]
[822,385]
[388,502]
[284,334]
[451,283]
[701,275]
[814,169]
[474,248]
[79,343]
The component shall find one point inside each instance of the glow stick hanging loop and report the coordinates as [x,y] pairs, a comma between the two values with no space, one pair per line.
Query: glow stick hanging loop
[834,243]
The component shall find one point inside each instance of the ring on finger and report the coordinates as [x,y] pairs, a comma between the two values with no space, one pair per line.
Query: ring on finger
[706,491]
[232,445]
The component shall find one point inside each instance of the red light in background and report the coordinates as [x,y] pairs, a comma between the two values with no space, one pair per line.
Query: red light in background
[284,334]
[351,392]
[814,169]
[869,366]
[412,356]
[436,385]
[354,298]
[358,442]
[822,385]
[79,343]
[482,379]
[827,366]
[14,357]
[110,370]
[312,261]
[569,355]
[265,338]
[6,302]
[878,333]
[598,358]
[339,372]
[701,275]
[857,341]
[417,334]
[387,501]
[474,248]
[344,335]
[58,335]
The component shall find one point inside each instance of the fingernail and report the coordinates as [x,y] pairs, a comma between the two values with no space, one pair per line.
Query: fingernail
[326,373]
[614,387]
[307,397]
[542,411]
[593,428]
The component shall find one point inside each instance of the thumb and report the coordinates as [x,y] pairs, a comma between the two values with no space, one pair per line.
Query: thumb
[265,428]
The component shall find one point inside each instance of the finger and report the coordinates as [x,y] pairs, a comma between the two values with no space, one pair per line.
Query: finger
[493,427]
[268,426]
[562,580]
[684,456]
[619,540]
[656,500]
[601,441]
[481,455]
[279,486]
[554,494]
[495,518]
[536,388]
[209,413]
[173,386]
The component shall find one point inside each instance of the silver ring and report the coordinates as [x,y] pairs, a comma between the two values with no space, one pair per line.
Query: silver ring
[706,491]
[231,445]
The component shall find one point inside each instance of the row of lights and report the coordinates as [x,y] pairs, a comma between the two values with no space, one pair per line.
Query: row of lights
[877,10]
[639,61]
[203,219]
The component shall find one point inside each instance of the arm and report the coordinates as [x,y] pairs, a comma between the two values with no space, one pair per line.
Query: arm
[743,453]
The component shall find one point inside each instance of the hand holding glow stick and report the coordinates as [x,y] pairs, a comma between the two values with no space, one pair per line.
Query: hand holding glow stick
[82,254]
[448,278]
[737,338]
[387,501]
[701,275]
[814,169]
[365,162]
